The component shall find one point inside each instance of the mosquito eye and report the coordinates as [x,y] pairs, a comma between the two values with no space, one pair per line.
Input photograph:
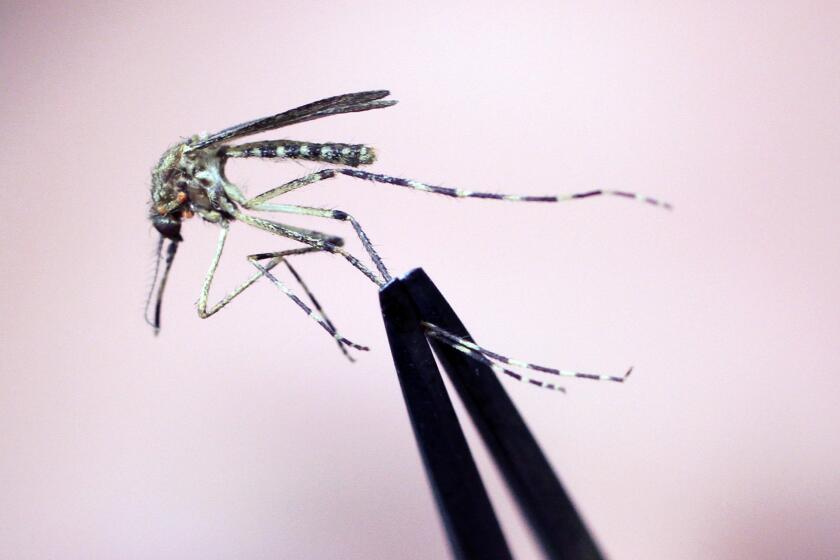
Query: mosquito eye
[168,227]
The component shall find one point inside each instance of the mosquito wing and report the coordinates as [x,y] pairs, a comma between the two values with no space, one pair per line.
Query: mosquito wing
[347,103]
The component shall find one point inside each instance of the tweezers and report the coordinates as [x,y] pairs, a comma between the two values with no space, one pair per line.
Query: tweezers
[468,516]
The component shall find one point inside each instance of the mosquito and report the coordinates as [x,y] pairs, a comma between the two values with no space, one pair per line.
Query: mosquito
[190,180]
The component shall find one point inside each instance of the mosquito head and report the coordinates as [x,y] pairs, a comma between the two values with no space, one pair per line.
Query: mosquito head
[169,200]
[168,211]
[168,225]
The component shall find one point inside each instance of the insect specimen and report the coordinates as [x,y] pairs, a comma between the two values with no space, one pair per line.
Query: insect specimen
[190,180]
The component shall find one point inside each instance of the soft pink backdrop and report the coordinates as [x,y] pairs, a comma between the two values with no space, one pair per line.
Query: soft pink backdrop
[249,436]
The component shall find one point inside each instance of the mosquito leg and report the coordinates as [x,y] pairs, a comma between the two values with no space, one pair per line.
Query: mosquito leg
[317,305]
[295,184]
[203,312]
[335,215]
[208,279]
[234,193]
[260,203]
[446,191]
[318,317]
[460,193]
[276,258]
[496,368]
[473,348]
[293,233]
[327,238]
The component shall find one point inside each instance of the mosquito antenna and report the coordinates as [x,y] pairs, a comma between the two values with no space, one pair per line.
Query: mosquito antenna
[170,256]
[154,283]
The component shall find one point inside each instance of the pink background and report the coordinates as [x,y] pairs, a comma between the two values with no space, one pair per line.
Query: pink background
[249,436]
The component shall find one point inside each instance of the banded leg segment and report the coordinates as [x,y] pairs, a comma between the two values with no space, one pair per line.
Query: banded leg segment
[315,315]
[315,303]
[446,191]
[256,202]
[276,258]
[261,203]
[496,368]
[294,233]
[467,345]
[339,215]
[460,193]
[203,312]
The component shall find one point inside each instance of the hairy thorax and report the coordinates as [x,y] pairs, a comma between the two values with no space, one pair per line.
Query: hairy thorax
[187,181]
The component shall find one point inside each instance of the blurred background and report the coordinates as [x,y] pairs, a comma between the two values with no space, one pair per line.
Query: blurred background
[249,435]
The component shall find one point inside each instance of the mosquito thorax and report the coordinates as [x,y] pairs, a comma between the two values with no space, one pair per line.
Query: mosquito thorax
[183,180]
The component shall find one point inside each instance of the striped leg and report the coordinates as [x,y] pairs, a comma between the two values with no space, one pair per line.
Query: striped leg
[256,202]
[334,215]
[259,200]
[317,316]
[496,368]
[315,302]
[261,203]
[277,258]
[474,348]
[459,193]
[283,230]
[203,312]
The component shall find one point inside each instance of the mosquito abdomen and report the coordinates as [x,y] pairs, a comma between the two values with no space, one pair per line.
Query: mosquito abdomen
[352,155]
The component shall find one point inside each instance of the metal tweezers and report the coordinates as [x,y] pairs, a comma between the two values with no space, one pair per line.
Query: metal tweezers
[468,516]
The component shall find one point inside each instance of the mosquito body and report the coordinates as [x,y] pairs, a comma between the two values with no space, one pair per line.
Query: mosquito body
[190,180]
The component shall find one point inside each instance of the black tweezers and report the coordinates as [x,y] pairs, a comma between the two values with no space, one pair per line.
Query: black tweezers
[462,500]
